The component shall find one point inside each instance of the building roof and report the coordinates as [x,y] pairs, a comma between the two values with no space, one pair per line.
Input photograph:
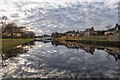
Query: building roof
[115,28]
[71,31]
[89,29]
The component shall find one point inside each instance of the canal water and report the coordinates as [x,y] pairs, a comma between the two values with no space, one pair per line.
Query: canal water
[60,60]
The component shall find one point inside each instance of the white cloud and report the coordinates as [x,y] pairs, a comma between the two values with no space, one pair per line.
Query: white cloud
[60,15]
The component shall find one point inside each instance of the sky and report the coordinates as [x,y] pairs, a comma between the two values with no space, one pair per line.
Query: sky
[47,16]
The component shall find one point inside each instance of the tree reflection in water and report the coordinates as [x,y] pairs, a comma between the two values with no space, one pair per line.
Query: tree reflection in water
[16,51]
[113,51]
[47,60]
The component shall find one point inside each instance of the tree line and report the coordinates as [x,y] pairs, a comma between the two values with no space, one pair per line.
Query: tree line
[12,30]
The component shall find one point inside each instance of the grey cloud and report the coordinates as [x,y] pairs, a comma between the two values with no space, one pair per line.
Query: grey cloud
[76,16]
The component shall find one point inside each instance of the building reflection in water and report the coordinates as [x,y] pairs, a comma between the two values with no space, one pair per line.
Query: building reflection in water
[16,51]
[113,51]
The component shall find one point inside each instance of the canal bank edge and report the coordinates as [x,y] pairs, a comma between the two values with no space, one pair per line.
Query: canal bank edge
[105,43]
[9,44]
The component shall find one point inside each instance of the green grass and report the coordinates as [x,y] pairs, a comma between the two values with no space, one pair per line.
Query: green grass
[94,39]
[8,44]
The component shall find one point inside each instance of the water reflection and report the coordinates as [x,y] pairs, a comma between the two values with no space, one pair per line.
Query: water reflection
[16,51]
[53,59]
[114,51]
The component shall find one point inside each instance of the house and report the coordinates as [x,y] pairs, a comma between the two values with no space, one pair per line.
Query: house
[118,31]
[113,33]
[89,32]
[17,34]
[22,29]
[72,33]
[81,33]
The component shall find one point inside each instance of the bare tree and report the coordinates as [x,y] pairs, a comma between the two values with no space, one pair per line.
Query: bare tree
[3,22]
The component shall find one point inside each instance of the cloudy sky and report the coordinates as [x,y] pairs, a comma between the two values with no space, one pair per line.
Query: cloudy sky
[47,16]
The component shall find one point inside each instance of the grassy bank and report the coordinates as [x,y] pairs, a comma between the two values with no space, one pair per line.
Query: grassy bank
[8,44]
[91,40]
[94,39]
